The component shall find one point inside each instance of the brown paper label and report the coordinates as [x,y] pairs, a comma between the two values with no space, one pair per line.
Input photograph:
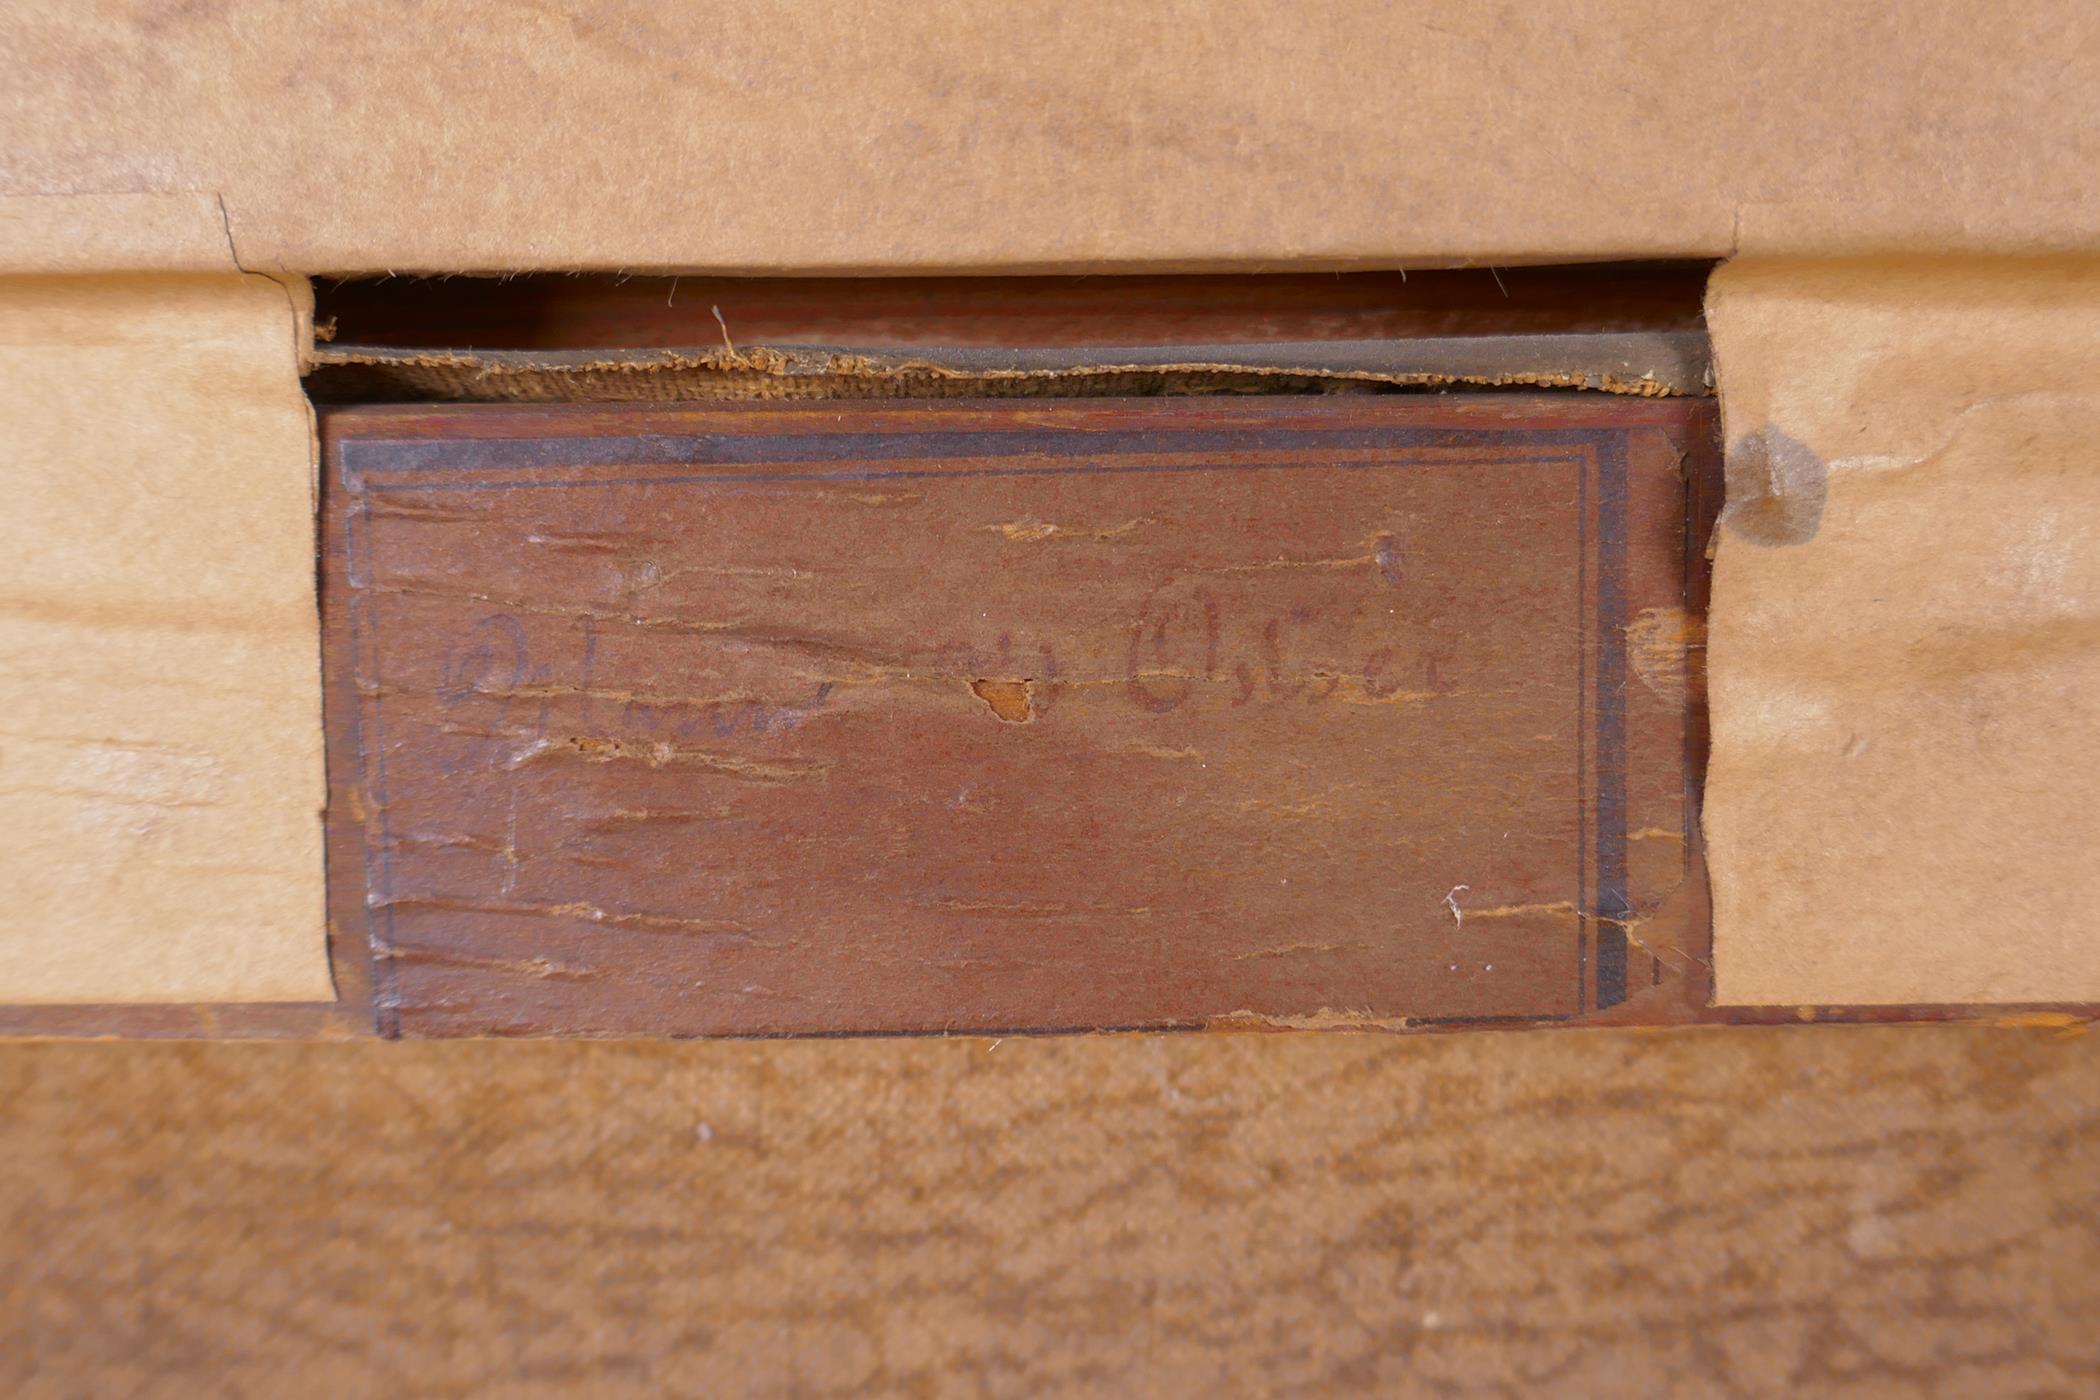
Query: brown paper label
[1008,717]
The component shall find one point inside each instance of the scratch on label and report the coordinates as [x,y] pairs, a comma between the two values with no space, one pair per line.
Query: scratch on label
[1664,645]
[1458,915]
[1027,531]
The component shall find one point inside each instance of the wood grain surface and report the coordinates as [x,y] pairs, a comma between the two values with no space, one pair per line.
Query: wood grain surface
[856,718]
[1826,1211]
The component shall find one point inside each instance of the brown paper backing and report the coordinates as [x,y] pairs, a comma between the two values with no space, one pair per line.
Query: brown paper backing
[1096,136]
[160,752]
[1905,643]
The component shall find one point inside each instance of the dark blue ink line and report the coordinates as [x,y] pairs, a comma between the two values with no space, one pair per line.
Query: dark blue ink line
[453,455]
[1613,907]
[366,484]
[1584,620]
